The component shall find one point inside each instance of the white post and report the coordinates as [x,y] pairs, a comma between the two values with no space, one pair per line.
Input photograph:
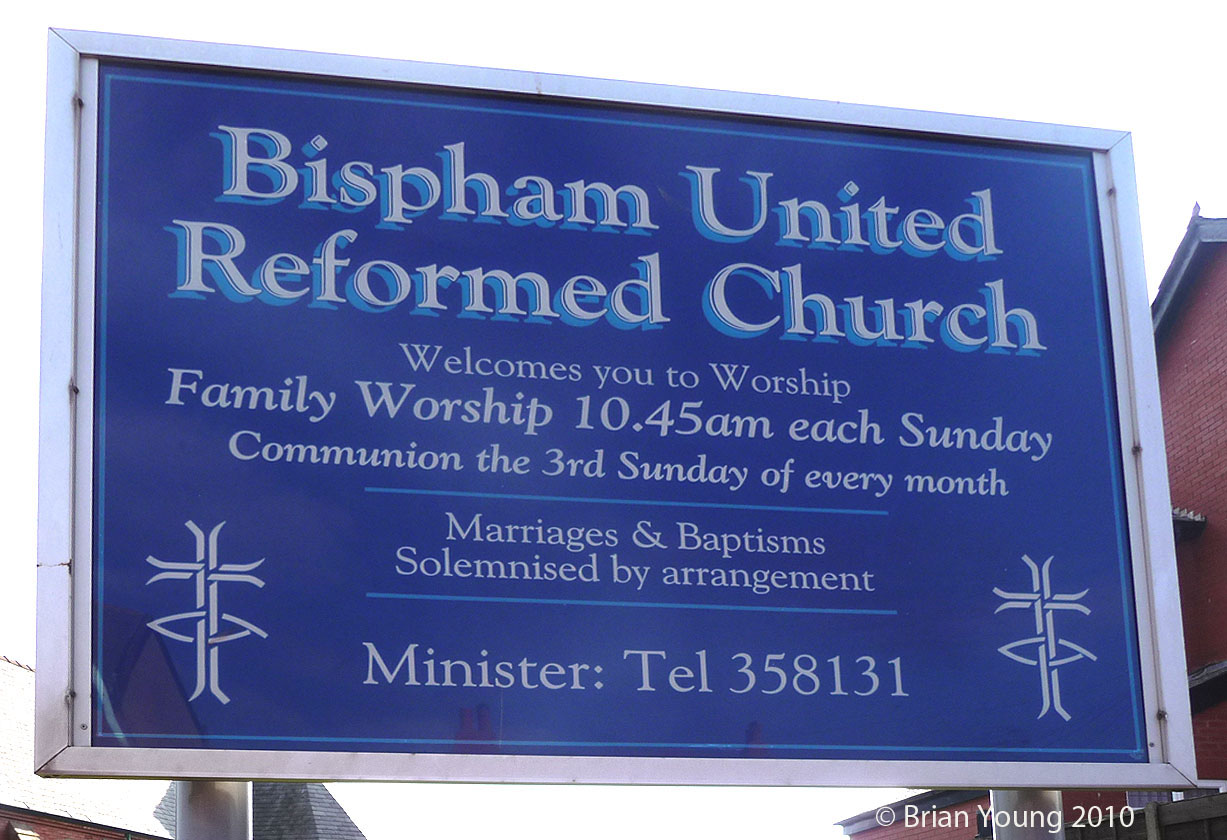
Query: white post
[1027,815]
[213,810]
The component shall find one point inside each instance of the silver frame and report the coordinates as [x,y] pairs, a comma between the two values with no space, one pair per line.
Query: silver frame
[64,680]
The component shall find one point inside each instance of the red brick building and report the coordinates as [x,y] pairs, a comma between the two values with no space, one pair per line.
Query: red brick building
[1191,342]
[1190,326]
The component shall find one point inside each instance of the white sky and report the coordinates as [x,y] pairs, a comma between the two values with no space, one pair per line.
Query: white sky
[1154,71]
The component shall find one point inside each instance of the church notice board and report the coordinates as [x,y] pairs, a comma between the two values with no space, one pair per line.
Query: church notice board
[454,424]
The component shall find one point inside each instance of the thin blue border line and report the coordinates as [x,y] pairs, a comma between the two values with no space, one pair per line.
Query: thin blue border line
[644,744]
[526,497]
[672,110]
[570,602]
[1112,410]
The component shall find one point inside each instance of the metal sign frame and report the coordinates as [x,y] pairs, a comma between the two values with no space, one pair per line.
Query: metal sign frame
[64,676]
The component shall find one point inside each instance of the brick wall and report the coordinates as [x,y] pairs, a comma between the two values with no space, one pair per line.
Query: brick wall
[1210,742]
[1088,799]
[1193,383]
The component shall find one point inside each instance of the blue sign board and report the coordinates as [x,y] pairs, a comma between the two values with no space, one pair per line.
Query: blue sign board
[437,421]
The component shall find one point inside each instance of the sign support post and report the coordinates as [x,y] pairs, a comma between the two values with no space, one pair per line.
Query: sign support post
[1028,815]
[213,810]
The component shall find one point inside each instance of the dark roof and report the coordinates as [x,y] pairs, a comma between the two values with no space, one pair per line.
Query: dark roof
[1188,524]
[1182,271]
[299,811]
[285,811]
[1192,517]
[1208,686]
[164,811]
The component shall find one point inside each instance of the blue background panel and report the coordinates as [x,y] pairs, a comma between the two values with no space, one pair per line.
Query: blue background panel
[266,578]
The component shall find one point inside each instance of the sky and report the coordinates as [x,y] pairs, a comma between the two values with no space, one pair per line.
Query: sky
[1153,72]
